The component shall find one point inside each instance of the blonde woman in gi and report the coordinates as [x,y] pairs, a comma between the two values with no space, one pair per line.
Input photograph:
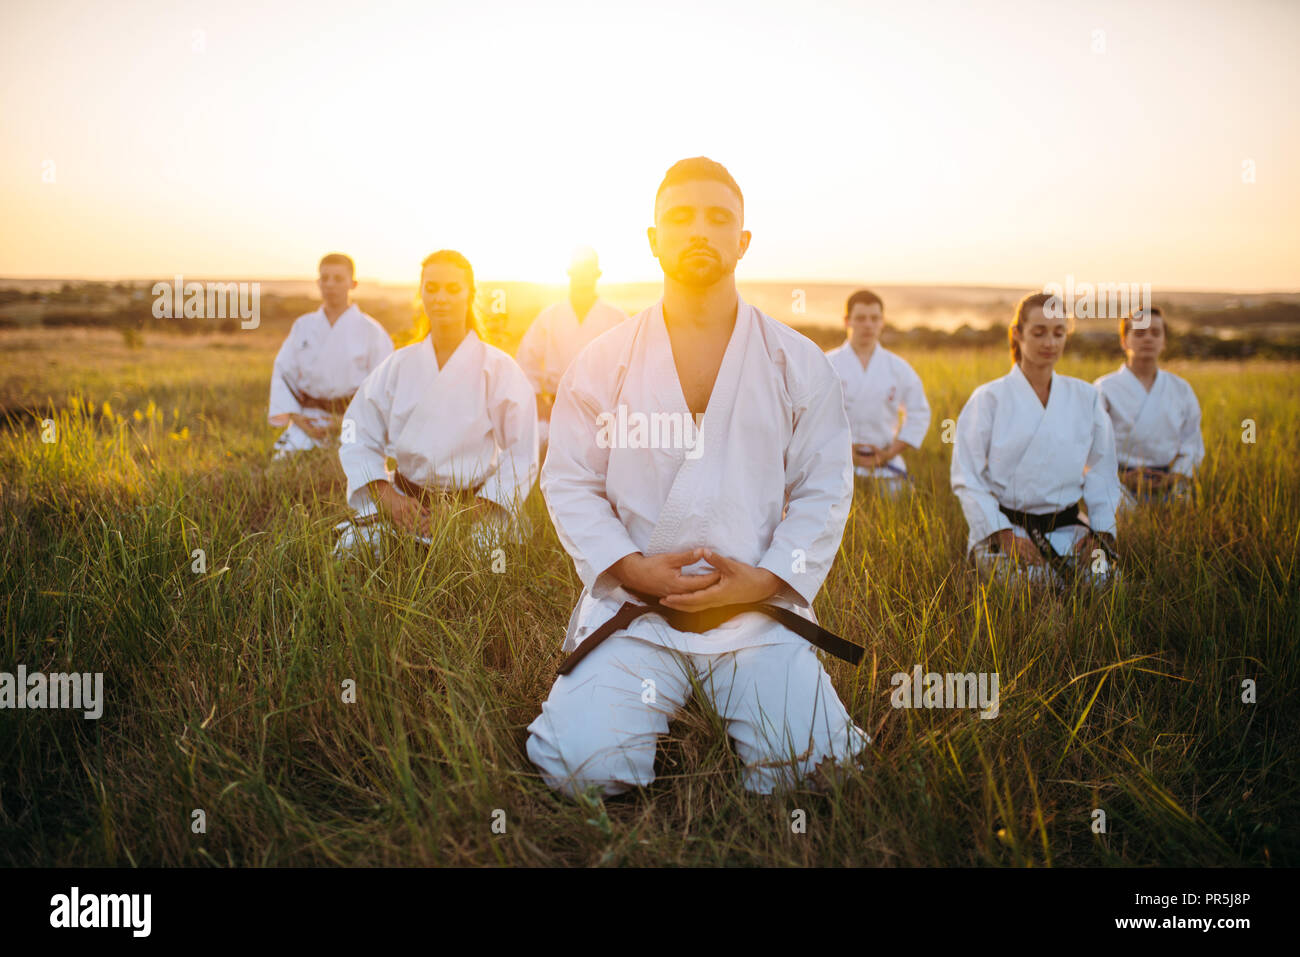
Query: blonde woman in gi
[455,413]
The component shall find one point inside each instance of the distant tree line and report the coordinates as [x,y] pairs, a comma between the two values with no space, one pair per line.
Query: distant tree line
[129,307]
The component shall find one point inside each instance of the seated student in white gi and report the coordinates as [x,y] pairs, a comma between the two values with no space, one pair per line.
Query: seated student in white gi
[326,355]
[561,331]
[455,413]
[1155,414]
[878,385]
[748,509]
[1029,447]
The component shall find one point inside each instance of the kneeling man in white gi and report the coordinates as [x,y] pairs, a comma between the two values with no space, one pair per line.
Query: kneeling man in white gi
[700,477]
[324,359]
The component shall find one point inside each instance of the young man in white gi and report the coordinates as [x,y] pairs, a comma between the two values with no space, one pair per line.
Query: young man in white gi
[744,507]
[1156,416]
[878,386]
[1031,447]
[561,331]
[326,355]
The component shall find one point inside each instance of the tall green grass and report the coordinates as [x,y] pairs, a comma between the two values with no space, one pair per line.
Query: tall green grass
[224,688]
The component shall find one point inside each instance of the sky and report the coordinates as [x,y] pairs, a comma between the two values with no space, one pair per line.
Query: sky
[992,143]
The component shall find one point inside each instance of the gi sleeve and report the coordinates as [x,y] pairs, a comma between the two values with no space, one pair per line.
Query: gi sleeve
[1191,445]
[969,470]
[573,481]
[513,410]
[364,458]
[1101,488]
[917,418]
[819,487]
[1100,384]
[283,372]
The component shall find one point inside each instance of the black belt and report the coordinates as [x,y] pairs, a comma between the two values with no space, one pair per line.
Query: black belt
[1044,523]
[710,618]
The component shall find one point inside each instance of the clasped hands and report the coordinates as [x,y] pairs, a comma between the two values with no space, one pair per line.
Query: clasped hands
[870,457]
[1143,479]
[730,583]
[413,516]
[1025,551]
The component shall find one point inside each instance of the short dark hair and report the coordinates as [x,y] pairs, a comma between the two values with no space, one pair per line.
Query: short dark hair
[338,259]
[864,296]
[1126,323]
[699,167]
[1035,300]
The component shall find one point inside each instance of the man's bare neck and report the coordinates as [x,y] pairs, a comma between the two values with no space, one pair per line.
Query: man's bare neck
[332,313]
[692,310]
[581,303]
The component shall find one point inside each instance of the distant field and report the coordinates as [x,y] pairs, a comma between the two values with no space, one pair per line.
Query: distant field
[797,302]
[223,688]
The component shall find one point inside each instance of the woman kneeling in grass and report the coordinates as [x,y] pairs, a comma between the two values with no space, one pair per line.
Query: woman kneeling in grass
[458,416]
[1029,447]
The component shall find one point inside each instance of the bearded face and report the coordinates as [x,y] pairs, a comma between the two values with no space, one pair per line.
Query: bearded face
[698,236]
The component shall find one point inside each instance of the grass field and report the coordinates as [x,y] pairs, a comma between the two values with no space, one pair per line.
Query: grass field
[223,688]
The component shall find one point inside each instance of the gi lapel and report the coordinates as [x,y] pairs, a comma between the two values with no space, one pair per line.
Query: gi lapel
[1148,421]
[1038,448]
[667,532]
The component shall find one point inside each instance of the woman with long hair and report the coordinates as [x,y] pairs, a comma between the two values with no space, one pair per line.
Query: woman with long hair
[456,414]
[1030,448]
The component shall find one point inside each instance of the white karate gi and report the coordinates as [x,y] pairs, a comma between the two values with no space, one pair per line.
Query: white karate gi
[554,338]
[774,433]
[326,362]
[1012,451]
[1157,428]
[873,397]
[469,425]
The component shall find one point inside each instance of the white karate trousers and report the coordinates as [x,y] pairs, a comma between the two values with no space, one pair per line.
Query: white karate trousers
[1002,567]
[601,722]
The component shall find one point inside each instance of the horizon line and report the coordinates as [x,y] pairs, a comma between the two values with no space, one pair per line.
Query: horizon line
[362,281]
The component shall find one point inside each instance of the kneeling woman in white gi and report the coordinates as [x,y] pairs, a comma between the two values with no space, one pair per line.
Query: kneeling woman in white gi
[458,416]
[1029,447]
[1156,417]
